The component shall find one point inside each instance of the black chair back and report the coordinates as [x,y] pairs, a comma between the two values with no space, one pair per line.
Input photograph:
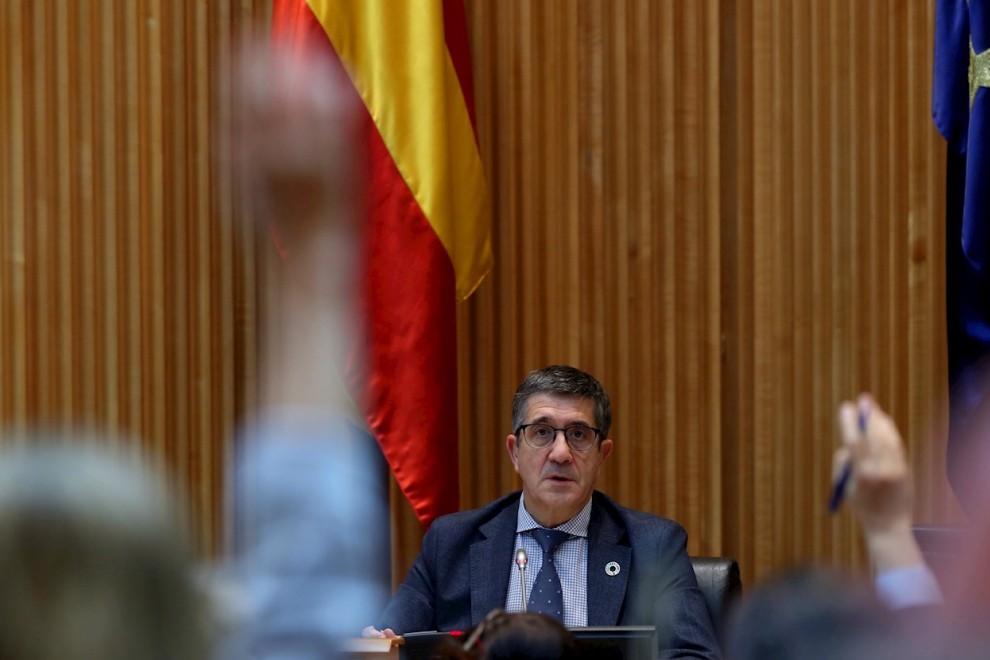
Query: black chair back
[718,578]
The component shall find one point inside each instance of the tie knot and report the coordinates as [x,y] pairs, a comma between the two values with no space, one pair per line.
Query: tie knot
[549,539]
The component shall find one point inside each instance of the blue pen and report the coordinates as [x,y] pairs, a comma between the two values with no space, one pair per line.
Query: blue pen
[839,489]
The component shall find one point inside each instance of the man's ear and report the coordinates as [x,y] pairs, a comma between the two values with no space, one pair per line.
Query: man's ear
[512,446]
[605,449]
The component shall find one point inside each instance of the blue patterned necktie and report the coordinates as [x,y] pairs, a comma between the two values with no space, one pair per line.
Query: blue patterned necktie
[547,595]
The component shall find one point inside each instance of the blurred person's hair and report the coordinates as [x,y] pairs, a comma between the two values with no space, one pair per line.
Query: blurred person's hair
[811,613]
[504,636]
[92,562]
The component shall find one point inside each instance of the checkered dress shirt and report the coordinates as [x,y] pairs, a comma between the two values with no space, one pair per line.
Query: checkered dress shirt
[571,560]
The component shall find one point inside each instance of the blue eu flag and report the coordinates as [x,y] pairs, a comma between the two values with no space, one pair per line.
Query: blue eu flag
[960,111]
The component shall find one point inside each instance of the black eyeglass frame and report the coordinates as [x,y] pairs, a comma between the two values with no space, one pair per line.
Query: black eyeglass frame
[594,440]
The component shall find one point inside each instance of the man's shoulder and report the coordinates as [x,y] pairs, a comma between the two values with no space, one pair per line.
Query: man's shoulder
[634,520]
[473,518]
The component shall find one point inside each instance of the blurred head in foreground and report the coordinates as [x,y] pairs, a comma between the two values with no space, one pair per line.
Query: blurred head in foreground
[503,636]
[91,562]
[810,613]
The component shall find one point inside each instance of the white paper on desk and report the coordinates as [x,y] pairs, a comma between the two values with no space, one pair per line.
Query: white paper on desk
[369,644]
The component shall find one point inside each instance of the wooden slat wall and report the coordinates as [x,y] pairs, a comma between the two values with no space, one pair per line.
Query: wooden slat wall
[732,213]
[729,211]
[606,243]
[839,283]
[127,304]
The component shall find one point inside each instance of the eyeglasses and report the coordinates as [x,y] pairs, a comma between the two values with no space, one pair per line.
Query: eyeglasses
[540,436]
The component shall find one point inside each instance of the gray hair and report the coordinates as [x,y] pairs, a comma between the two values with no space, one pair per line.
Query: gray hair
[567,381]
[91,562]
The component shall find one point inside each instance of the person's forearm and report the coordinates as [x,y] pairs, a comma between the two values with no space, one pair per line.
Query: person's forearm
[316,303]
[893,548]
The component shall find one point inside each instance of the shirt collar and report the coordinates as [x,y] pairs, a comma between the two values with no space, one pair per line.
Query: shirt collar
[576,526]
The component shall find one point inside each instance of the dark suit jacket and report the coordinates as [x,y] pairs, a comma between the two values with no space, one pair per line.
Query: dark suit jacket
[464,568]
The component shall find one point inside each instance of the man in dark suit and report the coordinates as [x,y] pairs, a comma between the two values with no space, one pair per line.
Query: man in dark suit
[605,565]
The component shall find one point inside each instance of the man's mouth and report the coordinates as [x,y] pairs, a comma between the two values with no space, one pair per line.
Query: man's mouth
[559,478]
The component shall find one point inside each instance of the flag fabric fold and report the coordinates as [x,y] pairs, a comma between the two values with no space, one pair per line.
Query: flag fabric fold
[960,113]
[427,226]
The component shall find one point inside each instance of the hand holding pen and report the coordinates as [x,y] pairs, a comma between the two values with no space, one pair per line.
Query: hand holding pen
[844,464]
[872,469]
[871,465]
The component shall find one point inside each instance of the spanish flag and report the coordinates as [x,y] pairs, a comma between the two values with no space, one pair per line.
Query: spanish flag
[427,227]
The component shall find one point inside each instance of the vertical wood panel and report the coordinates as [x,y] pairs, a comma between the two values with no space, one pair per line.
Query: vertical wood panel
[729,211]
[601,144]
[117,257]
[759,207]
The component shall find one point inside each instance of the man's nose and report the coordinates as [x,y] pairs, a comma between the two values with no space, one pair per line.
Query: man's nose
[560,451]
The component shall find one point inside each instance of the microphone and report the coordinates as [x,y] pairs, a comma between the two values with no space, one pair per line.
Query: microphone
[521,561]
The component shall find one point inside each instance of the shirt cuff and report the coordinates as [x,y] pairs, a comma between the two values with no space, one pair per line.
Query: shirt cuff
[909,586]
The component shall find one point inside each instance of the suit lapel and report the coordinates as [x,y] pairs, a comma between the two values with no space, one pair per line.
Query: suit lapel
[491,563]
[606,593]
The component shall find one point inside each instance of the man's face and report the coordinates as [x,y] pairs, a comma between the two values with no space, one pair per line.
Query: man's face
[557,480]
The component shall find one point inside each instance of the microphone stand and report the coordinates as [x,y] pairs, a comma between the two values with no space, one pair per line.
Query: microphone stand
[521,561]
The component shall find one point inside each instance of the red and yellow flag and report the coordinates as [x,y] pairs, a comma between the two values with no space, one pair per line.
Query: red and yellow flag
[427,231]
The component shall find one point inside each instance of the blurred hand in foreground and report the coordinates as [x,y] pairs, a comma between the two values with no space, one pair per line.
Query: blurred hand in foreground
[880,487]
